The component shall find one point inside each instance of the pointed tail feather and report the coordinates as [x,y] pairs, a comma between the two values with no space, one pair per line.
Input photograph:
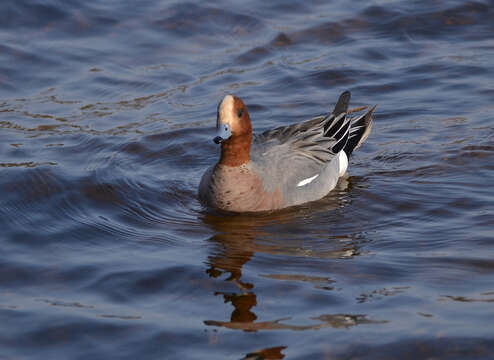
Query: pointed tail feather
[342,103]
[331,127]
[359,130]
[348,133]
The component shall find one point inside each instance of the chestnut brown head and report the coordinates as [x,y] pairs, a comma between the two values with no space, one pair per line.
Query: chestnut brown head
[233,119]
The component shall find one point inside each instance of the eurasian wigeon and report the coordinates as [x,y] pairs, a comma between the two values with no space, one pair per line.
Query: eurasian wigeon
[286,166]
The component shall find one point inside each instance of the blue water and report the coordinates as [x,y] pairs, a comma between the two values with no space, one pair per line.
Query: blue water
[107,113]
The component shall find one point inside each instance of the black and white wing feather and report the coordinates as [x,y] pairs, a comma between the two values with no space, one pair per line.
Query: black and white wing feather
[318,139]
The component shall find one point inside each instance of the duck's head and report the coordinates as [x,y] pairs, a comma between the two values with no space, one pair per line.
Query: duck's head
[233,120]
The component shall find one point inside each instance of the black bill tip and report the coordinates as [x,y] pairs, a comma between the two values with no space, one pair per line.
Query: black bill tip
[218,140]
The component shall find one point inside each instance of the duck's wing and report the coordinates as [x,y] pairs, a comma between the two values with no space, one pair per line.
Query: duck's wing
[359,130]
[292,156]
[316,140]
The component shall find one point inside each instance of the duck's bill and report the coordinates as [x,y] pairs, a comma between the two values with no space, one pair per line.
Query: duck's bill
[223,133]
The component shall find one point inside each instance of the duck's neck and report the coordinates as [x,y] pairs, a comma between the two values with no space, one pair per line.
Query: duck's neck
[235,151]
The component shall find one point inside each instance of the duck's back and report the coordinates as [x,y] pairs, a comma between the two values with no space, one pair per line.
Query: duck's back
[297,161]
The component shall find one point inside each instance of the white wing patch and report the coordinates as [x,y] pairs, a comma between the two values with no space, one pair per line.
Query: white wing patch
[307,181]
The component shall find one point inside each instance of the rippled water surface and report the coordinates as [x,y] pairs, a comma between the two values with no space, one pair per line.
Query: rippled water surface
[107,111]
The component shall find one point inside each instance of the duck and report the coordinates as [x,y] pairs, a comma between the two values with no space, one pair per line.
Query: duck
[282,167]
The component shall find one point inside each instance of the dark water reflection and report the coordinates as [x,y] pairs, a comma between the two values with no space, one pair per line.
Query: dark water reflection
[106,118]
[240,237]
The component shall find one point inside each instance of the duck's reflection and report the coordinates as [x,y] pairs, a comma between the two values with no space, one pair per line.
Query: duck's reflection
[235,249]
[243,304]
[239,237]
[273,353]
[230,259]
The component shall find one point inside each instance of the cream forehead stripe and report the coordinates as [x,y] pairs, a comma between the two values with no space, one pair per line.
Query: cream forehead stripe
[226,110]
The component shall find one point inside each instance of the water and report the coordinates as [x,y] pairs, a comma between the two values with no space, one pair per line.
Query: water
[107,112]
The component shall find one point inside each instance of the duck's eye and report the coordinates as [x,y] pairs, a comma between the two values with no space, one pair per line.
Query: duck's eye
[240,112]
